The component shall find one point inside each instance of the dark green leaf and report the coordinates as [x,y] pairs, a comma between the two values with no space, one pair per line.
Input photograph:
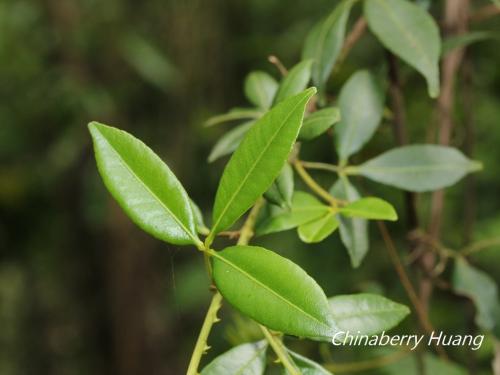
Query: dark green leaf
[324,42]
[295,81]
[367,314]
[410,32]
[481,288]
[305,208]
[273,291]
[143,185]
[361,103]
[370,208]
[353,231]
[318,122]
[245,359]
[318,229]
[229,141]
[466,39]
[306,366]
[418,167]
[235,114]
[260,89]
[281,191]
[258,160]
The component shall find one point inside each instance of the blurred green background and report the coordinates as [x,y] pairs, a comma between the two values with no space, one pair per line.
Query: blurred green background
[84,291]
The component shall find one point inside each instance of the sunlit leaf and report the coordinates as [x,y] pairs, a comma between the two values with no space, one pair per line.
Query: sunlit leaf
[370,208]
[318,229]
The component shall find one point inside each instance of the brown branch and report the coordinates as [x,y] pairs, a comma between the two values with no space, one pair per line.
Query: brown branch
[352,38]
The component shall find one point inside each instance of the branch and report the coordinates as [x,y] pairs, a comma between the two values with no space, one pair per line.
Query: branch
[352,38]
[313,185]
[281,352]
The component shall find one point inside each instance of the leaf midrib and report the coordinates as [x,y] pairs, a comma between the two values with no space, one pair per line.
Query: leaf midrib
[371,312]
[413,168]
[132,172]
[267,288]
[257,161]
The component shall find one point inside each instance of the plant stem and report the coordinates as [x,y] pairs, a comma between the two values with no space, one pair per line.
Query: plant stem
[322,166]
[280,351]
[247,230]
[480,245]
[313,185]
[201,343]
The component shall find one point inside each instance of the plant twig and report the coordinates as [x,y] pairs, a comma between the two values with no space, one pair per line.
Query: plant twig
[278,64]
[313,185]
[201,344]
[281,352]
[352,38]
[480,245]
[246,232]
[321,166]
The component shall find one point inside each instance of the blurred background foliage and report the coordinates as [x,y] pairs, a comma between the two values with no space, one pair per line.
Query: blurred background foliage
[82,290]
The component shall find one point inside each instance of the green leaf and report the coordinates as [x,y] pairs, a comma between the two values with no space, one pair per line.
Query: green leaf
[466,39]
[229,141]
[418,168]
[409,32]
[361,104]
[273,291]
[143,185]
[281,191]
[319,229]
[370,208]
[234,114]
[295,81]
[260,89]
[367,314]
[245,359]
[480,288]
[305,208]
[318,122]
[306,366]
[258,160]
[201,228]
[324,42]
[353,231]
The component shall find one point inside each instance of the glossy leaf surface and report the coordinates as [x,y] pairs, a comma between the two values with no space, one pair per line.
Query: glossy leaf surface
[306,365]
[318,229]
[409,32]
[244,359]
[419,167]
[143,185]
[258,160]
[273,291]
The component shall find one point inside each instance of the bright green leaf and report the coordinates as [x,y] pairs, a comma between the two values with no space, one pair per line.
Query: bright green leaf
[411,33]
[281,191]
[353,231]
[245,359]
[234,114]
[367,314]
[295,81]
[479,287]
[361,104]
[306,366]
[258,160]
[229,141]
[324,42]
[260,89]
[143,185]
[305,208]
[370,208]
[273,291]
[319,229]
[318,122]
[418,167]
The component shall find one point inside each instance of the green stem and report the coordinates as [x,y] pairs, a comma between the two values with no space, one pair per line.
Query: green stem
[247,230]
[321,166]
[313,185]
[201,344]
[281,352]
[480,245]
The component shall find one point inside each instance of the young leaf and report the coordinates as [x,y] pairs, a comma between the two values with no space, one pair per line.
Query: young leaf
[143,185]
[234,114]
[306,366]
[410,32]
[319,229]
[229,141]
[367,314]
[318,122]
[273,291]
[353,231]
[245,359]
[418,168]
[281,191]
[201,228]
[370,208]
[479,287]
[305,208]
[324,42]
[258,160]
[260,89]
[361,103]
[295,81]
